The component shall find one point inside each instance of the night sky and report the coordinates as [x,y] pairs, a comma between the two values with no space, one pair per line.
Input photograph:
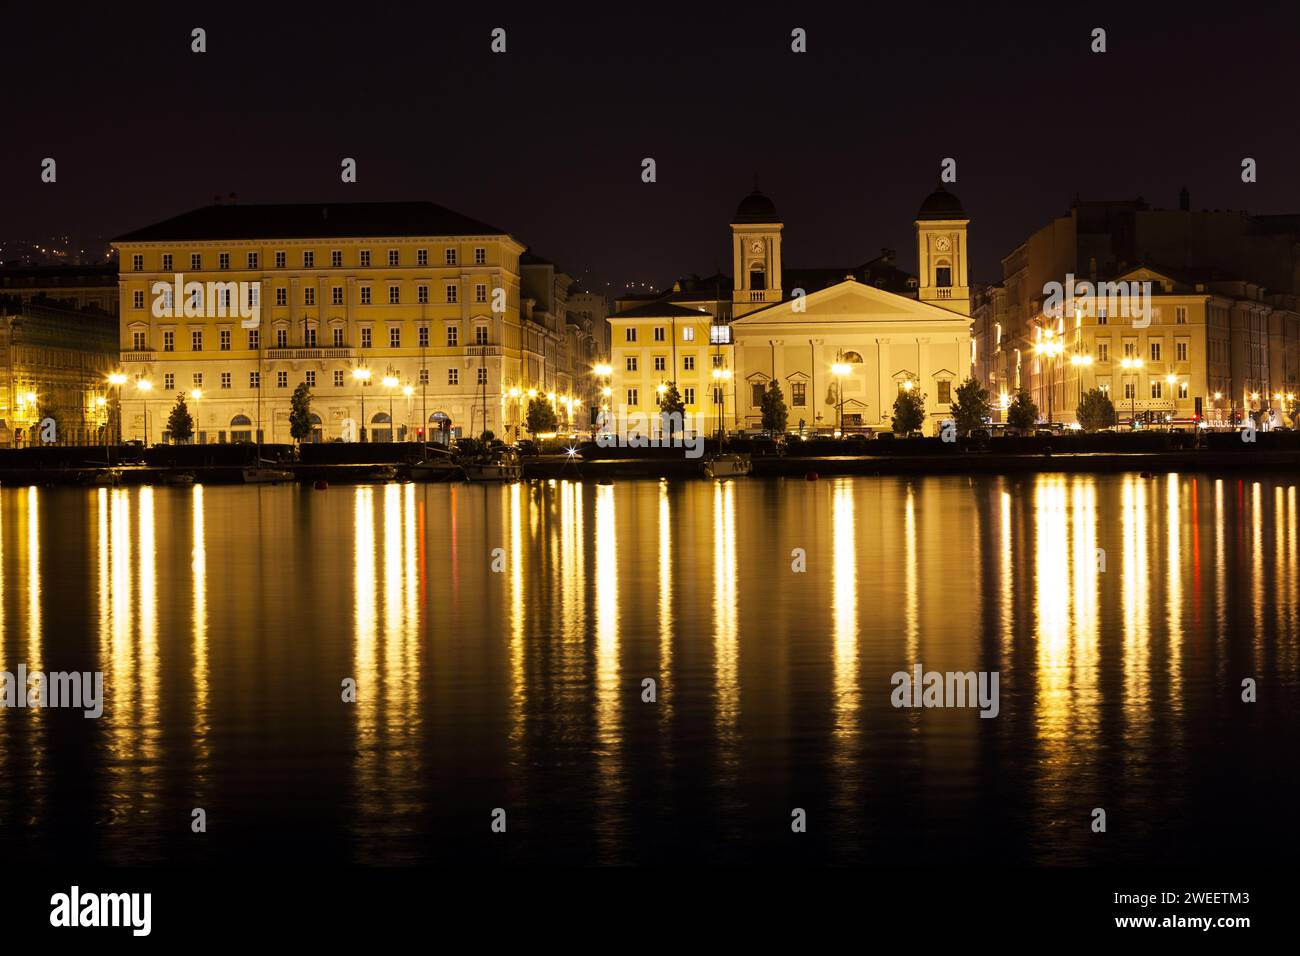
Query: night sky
[546,141]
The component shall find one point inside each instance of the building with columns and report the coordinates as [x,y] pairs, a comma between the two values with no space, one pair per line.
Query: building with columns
[401,318]
[722,340]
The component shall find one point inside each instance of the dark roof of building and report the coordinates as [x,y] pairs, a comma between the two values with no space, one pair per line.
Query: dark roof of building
[658,310]
[312,221]
[756,208]
[941,204]
[29,276]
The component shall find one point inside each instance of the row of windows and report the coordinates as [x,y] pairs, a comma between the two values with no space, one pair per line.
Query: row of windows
[1155,350]
[451,296]
[1157,390]
[339,379]
[140,338]
[631,363]
[718,334]
[364,259]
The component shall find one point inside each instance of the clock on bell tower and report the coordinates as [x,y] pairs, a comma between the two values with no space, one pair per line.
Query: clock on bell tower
[942,256]
[755,254]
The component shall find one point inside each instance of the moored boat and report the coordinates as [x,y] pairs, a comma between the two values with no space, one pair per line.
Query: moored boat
[266,476]
[500,464]
[727,465]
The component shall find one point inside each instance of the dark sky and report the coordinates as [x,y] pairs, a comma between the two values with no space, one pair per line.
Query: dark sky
[546,141]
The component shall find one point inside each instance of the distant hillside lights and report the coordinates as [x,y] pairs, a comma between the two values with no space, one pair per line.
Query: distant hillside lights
[208,300]
[1130,300]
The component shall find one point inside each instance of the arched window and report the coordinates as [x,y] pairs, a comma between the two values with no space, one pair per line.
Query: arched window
[379,418]
[240,421]
[943,274]
[853,358]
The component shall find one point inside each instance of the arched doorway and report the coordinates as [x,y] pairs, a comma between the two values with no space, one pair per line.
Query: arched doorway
[241,428]
[317,430]
[381,427]
[440,429]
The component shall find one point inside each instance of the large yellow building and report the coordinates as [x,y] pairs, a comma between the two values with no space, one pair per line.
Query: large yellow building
[841,342]
[398,316]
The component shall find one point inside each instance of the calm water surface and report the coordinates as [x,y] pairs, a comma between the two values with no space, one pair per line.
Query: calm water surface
[226,619]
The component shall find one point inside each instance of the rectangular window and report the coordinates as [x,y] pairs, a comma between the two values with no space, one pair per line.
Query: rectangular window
[365,295]
[394,338]
[480,335]
[1156,389]
[424,376]
[282,379]
[281,296]
[720,334]
[310,378]
[365,338]
[336,295]
[1180,315]
[717,395]
[1130,348]
[480,256]
[137,341]
[422,294]
[254,339]
[365,258]
[421,257]
[1155,351]
[223,340]
[661,363]
[196,261]
[1182,389]
[254,296]
[1180,351]
[223,260]
[451,336]
[799,394]
[659,333]
[450,257]
[279,260]
[225,380]
[688,363]
[945,392]
[1102,318]
[688,334]
[688,395]
[309,295]
[394,295]
[631,363]
[309,337]
[197,379]
[629,334]
[756,390]
[169,381]
[393,257]
[480,292]
[169,341]
[196,341]
[336,258]
[281,338]
[632,396]
[717,361]
[338,378]
[1103,351]
[308,259]
[336,334]
[422,337]
[167,262]
[137,263]
[254,380]
[137,299]
[451,293]
[482,376]
[453,376]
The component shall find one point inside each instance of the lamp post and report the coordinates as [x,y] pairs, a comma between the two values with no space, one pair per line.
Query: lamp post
[1135,364]
[1082,362]
[196,394]
[603,370]
[390,382]
[118,379]
[408,391]
[362,375]
[721,376]
[145,386]
[1050,348]
[101,404]
[839,370]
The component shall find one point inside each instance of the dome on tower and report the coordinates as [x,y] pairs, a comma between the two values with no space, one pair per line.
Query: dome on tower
[941,204]
[756,208]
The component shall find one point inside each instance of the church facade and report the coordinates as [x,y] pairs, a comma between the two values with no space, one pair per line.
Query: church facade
[841,343]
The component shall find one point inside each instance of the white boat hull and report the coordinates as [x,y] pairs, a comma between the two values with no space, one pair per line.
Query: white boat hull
[728,466]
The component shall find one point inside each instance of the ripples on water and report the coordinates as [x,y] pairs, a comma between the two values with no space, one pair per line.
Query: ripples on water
[226,619]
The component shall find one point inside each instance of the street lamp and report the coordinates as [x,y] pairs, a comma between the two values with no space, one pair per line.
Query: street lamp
[145,386]
[1050,348]
[839,370]
[118,379]
[390,382]
[408,391]
[1133,363]
[721,375]
[362,375]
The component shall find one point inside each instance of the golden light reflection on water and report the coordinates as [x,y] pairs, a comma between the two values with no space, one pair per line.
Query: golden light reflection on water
[1057,623]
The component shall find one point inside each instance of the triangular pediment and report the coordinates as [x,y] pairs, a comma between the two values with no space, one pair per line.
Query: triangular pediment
[848,301]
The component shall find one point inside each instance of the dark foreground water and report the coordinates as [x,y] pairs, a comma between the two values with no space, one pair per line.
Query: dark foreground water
[225,621]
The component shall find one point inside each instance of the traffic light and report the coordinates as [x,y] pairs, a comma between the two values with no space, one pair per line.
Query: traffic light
[1196,415]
